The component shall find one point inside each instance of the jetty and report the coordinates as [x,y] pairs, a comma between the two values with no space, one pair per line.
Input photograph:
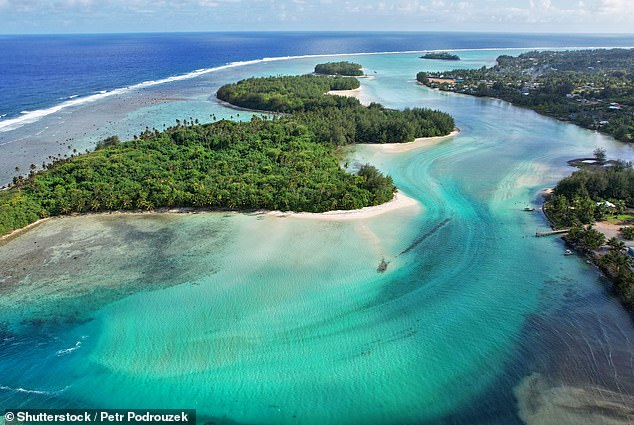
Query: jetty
[551,232]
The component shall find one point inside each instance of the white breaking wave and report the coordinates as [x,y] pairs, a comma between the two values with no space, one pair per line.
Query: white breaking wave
[29,117]
[66,351]
[26,391]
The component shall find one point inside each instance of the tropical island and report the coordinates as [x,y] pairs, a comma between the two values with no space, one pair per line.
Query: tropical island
[288,162]
[596,204]
[335,120]
[445,56]
[344,68]
[591,88]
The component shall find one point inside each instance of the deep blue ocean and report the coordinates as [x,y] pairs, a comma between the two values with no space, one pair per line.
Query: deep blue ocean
[41,71]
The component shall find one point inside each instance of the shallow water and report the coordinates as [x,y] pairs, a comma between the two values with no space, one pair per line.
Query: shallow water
[261,319]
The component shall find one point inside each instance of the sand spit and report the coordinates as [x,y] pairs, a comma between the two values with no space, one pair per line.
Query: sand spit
[416,144]
[399,201]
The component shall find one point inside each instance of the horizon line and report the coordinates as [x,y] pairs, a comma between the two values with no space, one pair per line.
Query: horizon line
[324,32]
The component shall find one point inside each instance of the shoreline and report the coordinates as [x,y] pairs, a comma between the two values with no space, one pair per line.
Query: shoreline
[399,201]
[17,232]
[417,143]
[356,93]
[240,108]
[347,93]
[594,256]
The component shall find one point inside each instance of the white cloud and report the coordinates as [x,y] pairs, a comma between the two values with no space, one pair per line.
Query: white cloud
[615,7]
[503,15]
[215,3]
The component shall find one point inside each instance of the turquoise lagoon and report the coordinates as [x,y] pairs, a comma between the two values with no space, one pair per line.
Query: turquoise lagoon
[258,319]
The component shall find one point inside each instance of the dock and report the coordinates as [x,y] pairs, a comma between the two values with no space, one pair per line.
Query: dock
[551,232]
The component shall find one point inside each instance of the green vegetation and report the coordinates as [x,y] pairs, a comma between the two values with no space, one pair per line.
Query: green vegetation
[271,164]
[287,94]
[446,56]
[17,210]
[287,163]
[580,199]
[616,263]
[335,119]
[620,218]
[586,237]
[339,68]
[627,233]
[592,193]
[591,88]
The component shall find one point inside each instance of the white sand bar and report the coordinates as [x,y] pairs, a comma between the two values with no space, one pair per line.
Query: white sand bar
[417,143]
[399,201]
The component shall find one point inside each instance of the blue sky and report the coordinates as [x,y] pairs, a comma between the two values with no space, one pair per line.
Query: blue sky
[88,16]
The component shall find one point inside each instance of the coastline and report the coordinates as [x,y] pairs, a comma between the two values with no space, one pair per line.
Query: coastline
[399,201]
[356,93]
[593,256]
[240,108]
[17,232]
[417,143]
[347,93]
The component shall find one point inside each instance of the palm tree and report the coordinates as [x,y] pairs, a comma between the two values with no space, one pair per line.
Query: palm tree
[616,245]
[593,239]
[618,260]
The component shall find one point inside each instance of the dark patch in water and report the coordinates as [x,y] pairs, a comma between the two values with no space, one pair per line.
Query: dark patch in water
[96,260]
[425,236]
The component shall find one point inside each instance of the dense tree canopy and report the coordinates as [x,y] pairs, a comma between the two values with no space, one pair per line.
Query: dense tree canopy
[284,163]
[446,56]
[580,198]
[335,119]
[270,164]
[339,68]
[286,93]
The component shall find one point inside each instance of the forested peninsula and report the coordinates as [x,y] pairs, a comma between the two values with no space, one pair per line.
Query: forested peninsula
[591,88]
[287,162]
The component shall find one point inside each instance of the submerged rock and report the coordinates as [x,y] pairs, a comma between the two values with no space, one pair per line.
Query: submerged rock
[382,266]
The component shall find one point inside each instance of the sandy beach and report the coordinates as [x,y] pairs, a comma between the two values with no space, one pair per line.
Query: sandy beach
[399,201]
[348,93]
[417,143]
[18,232]
[356,93]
